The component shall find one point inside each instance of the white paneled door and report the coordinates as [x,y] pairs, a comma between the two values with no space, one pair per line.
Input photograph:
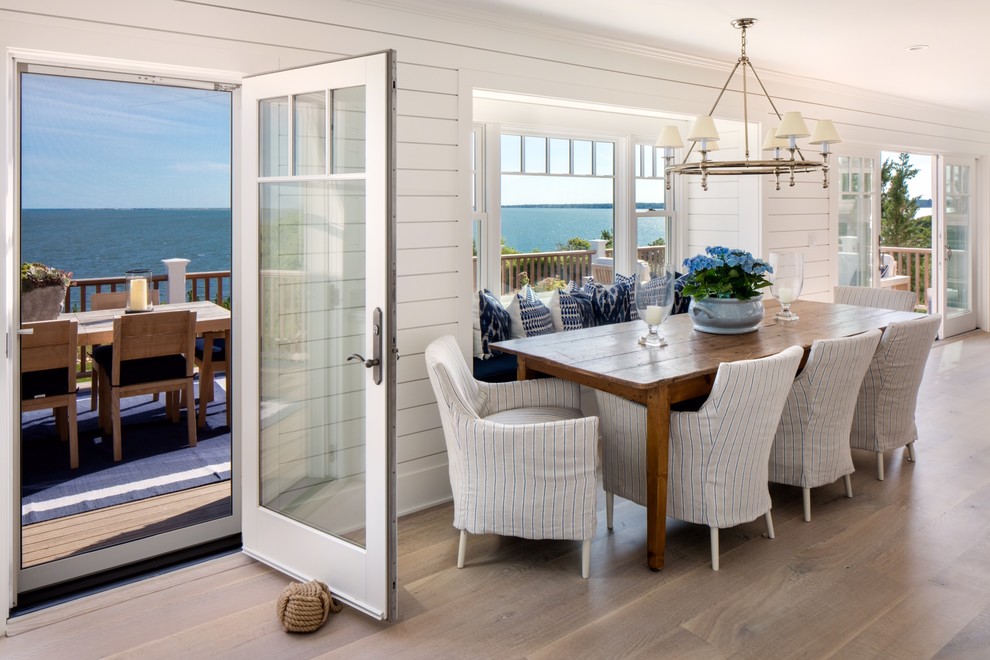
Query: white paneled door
[318,396]
[954,247]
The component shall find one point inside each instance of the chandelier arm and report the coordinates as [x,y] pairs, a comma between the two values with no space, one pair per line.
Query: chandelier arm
[687,153]
[767,94]
[745,60]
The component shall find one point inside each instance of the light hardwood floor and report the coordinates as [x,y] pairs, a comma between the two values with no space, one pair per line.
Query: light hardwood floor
[902,570]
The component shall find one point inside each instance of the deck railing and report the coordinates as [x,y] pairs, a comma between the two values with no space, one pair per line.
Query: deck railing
[569,265]
[916,263]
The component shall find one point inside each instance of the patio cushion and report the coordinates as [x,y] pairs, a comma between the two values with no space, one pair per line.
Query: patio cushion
[132,372]
[48,382]
[219,349]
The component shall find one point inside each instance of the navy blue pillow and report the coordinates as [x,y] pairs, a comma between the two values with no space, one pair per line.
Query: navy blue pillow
[494,321]
[611,303]
[629,281]
[681,303]
[585,307]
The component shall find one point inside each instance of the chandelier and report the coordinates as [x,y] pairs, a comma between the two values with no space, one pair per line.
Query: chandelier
[787,158]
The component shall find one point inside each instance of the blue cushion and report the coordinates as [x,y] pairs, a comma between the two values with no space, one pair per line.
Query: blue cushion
[500,368]
[610,303]
[629,281]
[535,316]
[219,349]
[47,382]
[494,320]
[144,370]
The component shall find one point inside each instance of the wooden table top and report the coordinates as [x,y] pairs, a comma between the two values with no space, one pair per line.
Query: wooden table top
[96,327]
[611,358]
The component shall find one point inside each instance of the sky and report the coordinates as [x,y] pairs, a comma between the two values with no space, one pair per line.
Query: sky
[101,144]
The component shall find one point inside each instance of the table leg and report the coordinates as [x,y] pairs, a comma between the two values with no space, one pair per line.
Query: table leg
[657,465]
[523,372]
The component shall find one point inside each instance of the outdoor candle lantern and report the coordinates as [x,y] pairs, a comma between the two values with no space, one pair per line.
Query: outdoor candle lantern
[138,282]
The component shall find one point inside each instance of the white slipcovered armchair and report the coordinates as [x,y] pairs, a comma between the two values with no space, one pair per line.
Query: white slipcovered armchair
[718,455]
[811,447]
[865,296]
[888,397]
[523,457]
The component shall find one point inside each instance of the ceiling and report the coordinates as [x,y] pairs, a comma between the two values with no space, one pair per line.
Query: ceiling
[860,43]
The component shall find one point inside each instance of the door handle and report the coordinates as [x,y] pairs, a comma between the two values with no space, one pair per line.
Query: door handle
[375,363]
[948,253]
[25,331]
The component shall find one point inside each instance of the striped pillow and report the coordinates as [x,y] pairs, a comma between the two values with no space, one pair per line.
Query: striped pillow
[533,314]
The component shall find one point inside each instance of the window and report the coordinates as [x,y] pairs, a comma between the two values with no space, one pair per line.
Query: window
[856,220]
[557,197]
[651,209]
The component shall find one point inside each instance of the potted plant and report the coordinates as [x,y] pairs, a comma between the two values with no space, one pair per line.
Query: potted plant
[42,291]
[724,285]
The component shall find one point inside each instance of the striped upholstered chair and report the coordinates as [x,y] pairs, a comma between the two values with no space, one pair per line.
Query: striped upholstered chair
[811,447]
[864,296]
[523,458]
[718,455]
[888,397]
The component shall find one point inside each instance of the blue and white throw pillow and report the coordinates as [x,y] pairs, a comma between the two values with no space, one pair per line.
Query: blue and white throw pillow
[494,321]
[681,302]
[610,303]
[629,281]
[534,315]
[565,312]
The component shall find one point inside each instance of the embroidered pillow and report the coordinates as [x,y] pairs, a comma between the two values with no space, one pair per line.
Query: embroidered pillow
[494,322]
[629,281]
[534,315]
[610,304]
[565,312]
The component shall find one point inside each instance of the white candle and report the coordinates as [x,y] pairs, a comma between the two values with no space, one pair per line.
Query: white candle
[138,294]
[654,315]
[785,295]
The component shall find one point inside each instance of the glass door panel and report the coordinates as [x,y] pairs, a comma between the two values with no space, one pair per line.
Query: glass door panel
[857,200]
[957,250]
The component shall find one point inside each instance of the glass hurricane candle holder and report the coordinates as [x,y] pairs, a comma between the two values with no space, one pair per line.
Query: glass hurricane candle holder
[138,283]
[786,281]
[654,299]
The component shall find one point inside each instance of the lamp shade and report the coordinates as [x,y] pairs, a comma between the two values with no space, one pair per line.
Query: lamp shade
[792,125]
[825,133]
[773,142]
[703,129]
[670,138]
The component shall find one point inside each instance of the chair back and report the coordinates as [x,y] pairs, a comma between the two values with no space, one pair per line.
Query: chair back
[155,334]
[888,397]
[51,345]
[117,299]
[602,274]
[811,446]
[864,296]
[720,457]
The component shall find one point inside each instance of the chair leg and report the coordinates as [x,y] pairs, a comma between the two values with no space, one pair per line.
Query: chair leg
[880,466]
[94,388]
[62,422]
[609,508]
[191,414]
[118,452]
[806,499]
[769,519]
[73,435]
[462,549]
[586,558]
[714,534]
[910,448]
[849,485]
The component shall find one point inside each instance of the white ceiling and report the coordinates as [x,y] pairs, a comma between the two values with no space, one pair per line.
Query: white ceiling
[860,43]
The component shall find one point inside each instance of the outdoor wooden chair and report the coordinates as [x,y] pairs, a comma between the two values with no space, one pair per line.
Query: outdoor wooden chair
[150,353]
[212,349]
[109,300]
[602,274]
[48,376]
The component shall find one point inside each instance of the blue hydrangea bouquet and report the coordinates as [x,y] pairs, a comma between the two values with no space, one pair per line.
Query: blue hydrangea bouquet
[725,273]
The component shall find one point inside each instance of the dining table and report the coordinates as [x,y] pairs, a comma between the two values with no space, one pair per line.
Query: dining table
[96,326]
[611,358]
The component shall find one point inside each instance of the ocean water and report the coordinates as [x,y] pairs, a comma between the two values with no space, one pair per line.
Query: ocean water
[107,242]
[543,228]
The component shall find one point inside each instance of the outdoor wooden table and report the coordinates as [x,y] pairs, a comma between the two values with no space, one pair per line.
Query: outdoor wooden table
[610,358]
[96,327]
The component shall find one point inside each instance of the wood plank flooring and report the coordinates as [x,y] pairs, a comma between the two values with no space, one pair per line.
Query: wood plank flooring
[64,537]
[902,570]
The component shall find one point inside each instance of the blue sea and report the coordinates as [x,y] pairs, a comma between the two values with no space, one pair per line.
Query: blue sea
[107,242]
[542,228]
